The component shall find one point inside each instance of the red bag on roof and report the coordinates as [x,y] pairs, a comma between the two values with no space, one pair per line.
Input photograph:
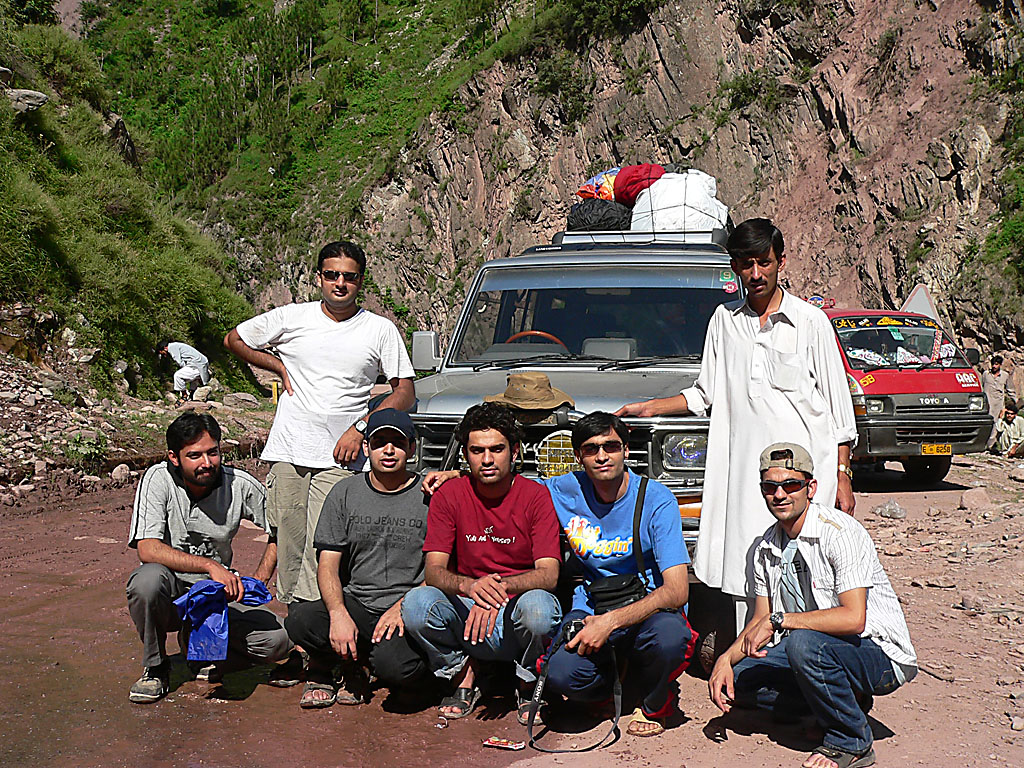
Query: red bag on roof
[634,179]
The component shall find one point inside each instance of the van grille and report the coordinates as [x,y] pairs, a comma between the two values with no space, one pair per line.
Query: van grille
[936,434]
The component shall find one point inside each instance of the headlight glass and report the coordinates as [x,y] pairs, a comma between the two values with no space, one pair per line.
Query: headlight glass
[555,456]
[976,402]
[684,451]
[874,407]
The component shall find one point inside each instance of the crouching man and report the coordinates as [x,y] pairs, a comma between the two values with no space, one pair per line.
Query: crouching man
[601,509]
[187,511]
[492,554]
[835,632]
[369,544]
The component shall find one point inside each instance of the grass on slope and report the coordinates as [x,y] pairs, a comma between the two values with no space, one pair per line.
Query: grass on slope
[83,234]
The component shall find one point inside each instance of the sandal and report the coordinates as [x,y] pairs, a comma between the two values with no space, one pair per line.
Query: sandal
[355,685]
[291,673]
[847,759]
[523,703]
[463,700]
[308,701]
[639,717]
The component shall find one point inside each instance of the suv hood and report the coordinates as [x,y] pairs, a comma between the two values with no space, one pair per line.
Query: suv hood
[456,391]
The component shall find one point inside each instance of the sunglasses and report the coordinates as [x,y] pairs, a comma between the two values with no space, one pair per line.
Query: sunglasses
[592,449]
[769,487]
[332,275]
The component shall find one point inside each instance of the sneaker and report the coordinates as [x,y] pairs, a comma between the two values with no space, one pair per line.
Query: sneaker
[152,686]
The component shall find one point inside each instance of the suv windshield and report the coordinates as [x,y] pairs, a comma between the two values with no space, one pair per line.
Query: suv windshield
[620,313]
[896,341]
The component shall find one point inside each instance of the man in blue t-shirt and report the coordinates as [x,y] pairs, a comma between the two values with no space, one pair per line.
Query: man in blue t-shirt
[595,508]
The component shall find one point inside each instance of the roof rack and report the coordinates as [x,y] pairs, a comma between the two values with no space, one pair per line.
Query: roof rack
[636,237]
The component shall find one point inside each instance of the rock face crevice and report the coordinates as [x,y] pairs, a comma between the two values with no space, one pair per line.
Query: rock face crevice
[862,131]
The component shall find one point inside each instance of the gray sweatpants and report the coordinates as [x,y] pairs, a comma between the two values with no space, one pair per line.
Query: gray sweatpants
[152,588]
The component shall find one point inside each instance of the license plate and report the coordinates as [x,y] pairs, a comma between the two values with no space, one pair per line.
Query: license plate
[936,449]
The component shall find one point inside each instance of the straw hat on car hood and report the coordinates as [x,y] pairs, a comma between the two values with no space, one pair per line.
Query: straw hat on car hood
[531,390]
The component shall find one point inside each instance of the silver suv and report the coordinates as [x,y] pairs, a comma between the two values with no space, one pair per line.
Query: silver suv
[611,318]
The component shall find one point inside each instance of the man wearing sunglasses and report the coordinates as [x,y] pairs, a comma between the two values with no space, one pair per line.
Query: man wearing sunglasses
[328,354]
[828,632]
[369,543]
[770,365]
[596,508]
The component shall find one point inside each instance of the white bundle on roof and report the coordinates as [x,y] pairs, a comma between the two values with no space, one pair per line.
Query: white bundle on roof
[680,202]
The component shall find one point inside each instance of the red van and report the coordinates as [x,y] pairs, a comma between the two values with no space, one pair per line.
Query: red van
[916,397]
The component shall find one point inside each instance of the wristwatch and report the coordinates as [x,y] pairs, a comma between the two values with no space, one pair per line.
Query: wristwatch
[846,471]
[360,426]
[776,619]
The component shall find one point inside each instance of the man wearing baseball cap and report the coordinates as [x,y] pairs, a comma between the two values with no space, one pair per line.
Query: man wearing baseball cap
[368,542]
[828,632]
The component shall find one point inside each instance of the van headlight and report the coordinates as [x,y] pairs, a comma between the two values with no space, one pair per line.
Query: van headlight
[874,407]
[976,403]
[680,452]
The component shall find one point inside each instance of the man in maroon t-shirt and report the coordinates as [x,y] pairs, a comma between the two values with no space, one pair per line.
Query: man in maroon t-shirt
[492,555]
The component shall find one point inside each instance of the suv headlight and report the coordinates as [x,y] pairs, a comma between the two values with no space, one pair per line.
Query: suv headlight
[684,451]
[976,403]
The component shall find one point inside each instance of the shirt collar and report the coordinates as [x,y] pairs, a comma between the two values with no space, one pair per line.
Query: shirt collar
[809,530]
[785,309]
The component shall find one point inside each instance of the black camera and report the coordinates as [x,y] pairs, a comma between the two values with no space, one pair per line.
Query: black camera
[571,629]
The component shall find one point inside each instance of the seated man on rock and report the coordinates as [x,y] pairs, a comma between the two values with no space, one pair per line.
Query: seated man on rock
[187,511]
[492,554]
[1009,432]
[369,545]
[833,626]
[602,509]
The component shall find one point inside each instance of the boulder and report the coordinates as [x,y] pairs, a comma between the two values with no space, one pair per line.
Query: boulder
[6,76]
[24,100]
[1017,473]
[240,400]
[121,474]
[202,394]
[975,499]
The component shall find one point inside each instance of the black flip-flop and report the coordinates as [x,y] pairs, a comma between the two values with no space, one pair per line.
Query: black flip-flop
[463,699]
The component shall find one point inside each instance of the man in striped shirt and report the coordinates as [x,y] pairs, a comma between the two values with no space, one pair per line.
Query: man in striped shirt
[828,632]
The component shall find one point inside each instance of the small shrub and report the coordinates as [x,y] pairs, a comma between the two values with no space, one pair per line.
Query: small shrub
[560,76]
[65,62]
[86,452]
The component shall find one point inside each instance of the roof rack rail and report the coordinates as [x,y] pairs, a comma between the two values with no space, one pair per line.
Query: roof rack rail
[636,237]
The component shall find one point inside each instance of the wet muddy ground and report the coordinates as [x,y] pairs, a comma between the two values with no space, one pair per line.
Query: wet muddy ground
[70,653]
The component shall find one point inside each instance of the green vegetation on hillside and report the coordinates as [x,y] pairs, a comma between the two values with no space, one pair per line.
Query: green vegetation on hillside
[1005,243]
[82,234]
[270,118]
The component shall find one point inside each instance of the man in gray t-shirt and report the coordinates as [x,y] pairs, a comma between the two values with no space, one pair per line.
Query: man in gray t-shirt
[187,511]
[369,542]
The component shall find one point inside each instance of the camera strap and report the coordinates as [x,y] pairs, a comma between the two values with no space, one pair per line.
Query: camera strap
[542,675]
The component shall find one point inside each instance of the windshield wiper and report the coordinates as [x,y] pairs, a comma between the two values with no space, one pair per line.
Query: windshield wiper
[530,359]
[642,362]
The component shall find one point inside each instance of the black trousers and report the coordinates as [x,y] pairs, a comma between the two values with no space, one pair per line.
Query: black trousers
[397,662]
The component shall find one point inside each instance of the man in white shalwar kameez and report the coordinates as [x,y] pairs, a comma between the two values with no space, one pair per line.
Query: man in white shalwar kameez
[772,371]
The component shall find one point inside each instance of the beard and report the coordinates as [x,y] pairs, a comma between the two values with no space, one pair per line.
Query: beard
[206,478]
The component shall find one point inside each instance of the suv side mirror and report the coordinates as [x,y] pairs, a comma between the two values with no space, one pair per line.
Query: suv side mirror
[426,354]
[973,356]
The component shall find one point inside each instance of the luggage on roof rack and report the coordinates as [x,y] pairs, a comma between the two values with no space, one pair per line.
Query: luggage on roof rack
[632,237]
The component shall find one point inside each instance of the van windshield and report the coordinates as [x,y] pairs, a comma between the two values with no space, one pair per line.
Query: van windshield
[624,313]
[896,341]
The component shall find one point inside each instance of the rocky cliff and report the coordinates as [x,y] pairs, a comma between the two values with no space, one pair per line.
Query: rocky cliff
[862,127]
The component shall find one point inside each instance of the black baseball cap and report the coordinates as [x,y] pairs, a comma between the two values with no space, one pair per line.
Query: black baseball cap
[390,418]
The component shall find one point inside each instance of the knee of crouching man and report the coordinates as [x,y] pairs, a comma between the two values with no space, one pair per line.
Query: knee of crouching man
[538,612]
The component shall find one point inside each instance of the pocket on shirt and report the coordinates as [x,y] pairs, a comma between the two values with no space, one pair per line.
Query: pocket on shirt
[787,371]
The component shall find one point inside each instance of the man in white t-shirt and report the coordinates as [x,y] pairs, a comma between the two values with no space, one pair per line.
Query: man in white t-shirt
[328,355]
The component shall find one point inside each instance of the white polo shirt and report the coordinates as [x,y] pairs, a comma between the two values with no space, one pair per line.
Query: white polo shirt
[840,556]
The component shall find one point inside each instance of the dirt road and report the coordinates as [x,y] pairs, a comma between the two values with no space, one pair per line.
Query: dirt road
[70,653]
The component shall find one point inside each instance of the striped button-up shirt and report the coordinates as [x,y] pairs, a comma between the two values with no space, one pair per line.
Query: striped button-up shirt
[841,556]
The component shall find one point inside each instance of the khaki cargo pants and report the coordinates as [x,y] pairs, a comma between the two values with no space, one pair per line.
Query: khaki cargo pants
[295,496]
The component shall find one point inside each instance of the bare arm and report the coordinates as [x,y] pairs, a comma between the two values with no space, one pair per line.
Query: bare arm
[671,595]
[343,632]
[845,500]
[662,406]
[402,397]
[268,362]
[155,551]
[543,576]
[268,562]
[720,684]
[437,574]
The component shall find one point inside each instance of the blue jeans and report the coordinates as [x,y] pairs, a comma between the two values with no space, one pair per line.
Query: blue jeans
[823,673]
[437,622]
[658,649]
